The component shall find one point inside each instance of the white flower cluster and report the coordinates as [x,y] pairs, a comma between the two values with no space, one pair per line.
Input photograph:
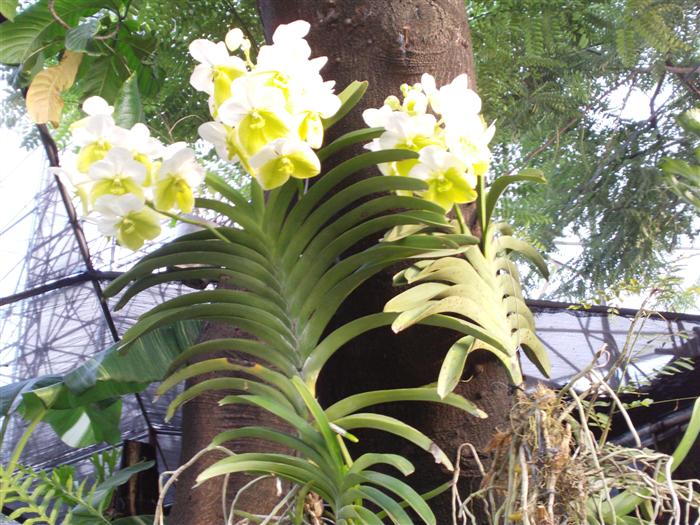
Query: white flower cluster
[453,150]
[120,170]
[268,115]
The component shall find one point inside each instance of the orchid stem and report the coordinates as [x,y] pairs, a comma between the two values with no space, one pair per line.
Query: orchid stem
[460,219]
[481,200]
[194,222]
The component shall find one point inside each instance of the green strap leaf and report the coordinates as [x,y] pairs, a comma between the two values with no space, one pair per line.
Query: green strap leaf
[292,468]
[217,183]
[273,436]
[323,187]
[237,384]
[243,215]
[403,491]
[347,140]
[200,277]
[251,347]
[499,185]
[350,513]
[534,349]
[356,402]
[393,510]
[279,381]
[203,258]
[398,428]
[321,420]
[224,296]
[453,365]
[306,431]
[525,249]
[366,461]
[331,343]
[209,312]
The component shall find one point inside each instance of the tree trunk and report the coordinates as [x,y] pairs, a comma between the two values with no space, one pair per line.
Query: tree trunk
[202,420]
[387,43]
[390,43]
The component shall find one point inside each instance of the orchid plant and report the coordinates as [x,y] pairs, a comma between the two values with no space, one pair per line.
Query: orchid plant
[284,253]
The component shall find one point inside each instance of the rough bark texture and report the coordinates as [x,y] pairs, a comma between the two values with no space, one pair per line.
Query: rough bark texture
[203,419]
[386,42]
[389,43]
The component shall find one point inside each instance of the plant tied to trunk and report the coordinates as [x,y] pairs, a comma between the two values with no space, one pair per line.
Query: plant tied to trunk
[284,252]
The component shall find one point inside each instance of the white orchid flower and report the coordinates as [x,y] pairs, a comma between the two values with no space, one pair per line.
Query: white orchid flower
[427,83]
[257,112]
[126,218]
[176,179]
[449,179]
[139,140]
[315,103]
[168,151]
[96,133]
[274,164]
[80,182]
[144,148]
[452,101]
[377,117]
[404,131]
[117,174]
[234,39]
[216,69]
[97,106]
[415,101]
[408,132]
[288,56]
[469,139]
[288,48]
[293,31]
[221,137]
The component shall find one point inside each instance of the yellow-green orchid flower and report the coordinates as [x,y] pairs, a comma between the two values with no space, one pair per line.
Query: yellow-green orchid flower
[176,179]
[448,178]
[117,174]
[128,219]
[282,159]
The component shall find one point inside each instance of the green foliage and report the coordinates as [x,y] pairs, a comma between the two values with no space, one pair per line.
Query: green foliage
[546,70]
[56,496]
[93,390]
[553,74]
[477,294]
[128,108]
[289,279]
[8,8]
[124,39]
[35,30]
[683,177]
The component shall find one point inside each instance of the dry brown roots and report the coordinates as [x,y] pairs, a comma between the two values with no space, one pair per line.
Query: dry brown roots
[549,469]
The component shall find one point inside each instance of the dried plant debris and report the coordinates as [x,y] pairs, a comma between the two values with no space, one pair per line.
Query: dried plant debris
[549,468]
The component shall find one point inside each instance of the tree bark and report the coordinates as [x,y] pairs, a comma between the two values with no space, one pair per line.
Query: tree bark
[202,420]
[389,43]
